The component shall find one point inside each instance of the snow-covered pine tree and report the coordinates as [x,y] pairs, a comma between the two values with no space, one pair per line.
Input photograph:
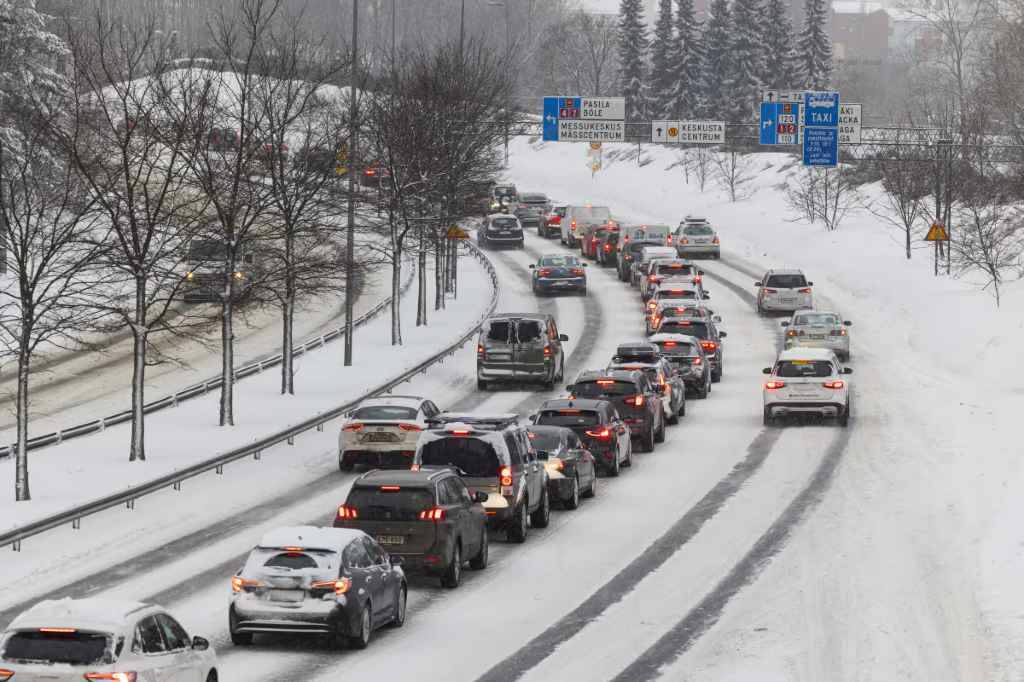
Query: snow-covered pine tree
[815,46]
[747,61]
[780,71]
[29,56]
[685,61]
[716,42]
[632,58]
[663,70]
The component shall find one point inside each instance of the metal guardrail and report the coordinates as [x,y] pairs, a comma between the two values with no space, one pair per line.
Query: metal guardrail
[255,450]
[203,387]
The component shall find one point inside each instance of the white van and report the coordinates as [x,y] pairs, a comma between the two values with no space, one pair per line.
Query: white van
[578,217]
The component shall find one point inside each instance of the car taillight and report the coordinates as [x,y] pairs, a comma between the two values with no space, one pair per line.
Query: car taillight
[547,351]
[715,240]
[697,279]
[410,427]
[340,586]
[709,346]
[577,271]
[603,434]
[6,675]
[544,272]
[506,475]
[684,241]
[805,290]
[433,514]
[791,332]
[771,291]
[651,305]
[668,240]
[772,385]
[238,583]
[635,400]
[834,384]
[607,248]
[593,240]
[652,278]
[114,677]
[838,332]
[353,427]
[655,320]
[555,220]
[347,512]
[480,350]
[573,225]
[697,361]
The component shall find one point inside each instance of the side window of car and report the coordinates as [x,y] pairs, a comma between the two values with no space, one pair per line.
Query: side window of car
[174,634]
[355,555]
[529,454]
[149,637]
[460,491]
[374,552]
[515,457]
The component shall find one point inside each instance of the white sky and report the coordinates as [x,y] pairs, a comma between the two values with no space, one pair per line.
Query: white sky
[601,5]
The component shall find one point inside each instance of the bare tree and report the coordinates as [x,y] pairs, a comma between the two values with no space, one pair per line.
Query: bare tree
[906,182]
[46,225]
[823,194]
[585,55]
[990,240]
[130,160]
[699,161]
[733,173]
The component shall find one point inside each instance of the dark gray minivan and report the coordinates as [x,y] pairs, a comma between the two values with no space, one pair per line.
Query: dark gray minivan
[520,348]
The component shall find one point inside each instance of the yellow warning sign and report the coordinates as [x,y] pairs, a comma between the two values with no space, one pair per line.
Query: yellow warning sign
[937,233]
[456,232]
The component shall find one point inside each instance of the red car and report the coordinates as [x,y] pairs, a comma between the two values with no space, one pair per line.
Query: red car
[593,237]
[552,224]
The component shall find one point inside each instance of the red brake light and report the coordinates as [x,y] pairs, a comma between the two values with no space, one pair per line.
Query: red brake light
[59,631]
[544,272]
[238,583]
[670,344]
[347,512]
[709,345]
[506,475]
[637,400]
[605,382]
[410,427]
[370,172]
[6,675]
[607,248]
[697,361]
[340,586]
[715,240]
[771,291]
[460,432]
[805,290]
[834,384]
[696,279]
[114,677]
[652,278]
[573,224]
[684,240]
[838,332]
[390,488]
[603,433]
[577,271]
[668,240]
[357,426]
[547,351]
[433,514]
[791,332]
[480,349]
[772,385]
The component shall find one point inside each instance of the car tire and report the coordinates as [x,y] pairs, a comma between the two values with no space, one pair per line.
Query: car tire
[479,562]
[362,639]
[705,389]
[616,466]
[844,418]
[648,440]
[401,605]
[518,530]
[345,466]
[561,370]
[211,676]
[659,435]
[716,376]
[573,501]
[541,517]
[549,383]
[769,420]
[674,419]
[241,638]
[452,576]
[592,490]
[628,462]
[481,385]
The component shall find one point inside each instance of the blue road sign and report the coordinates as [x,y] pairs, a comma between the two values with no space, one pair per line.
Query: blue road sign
[821,108]
[550,123]
[821,146]
[769,123]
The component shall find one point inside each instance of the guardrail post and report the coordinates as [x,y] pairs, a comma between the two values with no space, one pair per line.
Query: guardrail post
[256,455]
[320,427]
[291,440]
[130,503]
[177,485]
[259,366]
[76,523]
[174,400]
[103,424]
[60,437]
[16,545]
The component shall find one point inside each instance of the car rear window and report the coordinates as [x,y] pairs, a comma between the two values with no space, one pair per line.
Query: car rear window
[569,418]
[655,231]
[499,330]
[626,357]
[504,190]
[534,199]
[593,389]
[559,261]
[473,456]
[678,348]
[675,269]
[683,311]
[694,328]
[296,561]
[505,223]
[786,281]
[405,504]
[384,412]
[74,648]
[545,440]
[677,294]
[634,247]
[698,230]
[592,214]
[792,369]
[825,319]
[529,331]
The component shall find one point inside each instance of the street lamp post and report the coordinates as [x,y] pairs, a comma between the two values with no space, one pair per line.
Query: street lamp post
[462,29]
[350,237]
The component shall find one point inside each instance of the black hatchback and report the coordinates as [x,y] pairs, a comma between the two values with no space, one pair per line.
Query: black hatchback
[707,332]
[635,399]
[429,518]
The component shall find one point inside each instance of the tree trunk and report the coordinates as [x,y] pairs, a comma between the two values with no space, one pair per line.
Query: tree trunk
[227,343]
[396,298]
[140,339]
[21,490]
[421,284]
[908,241]
[439,272]
[287,336]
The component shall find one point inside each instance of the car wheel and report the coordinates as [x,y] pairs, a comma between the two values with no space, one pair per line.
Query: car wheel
[549,383]
[481,385]
[628,462]
[561,370]
[574,496]
[592,490]
[616,466]
[674,419]
[659,435]
[345,466]
[518,530]
[398,620]
[362,639]
[212,676]
[479,562]
[716,376]
[769,420]
[648,439]
[453,575]
[542,516]
[238,638]
[703,391]
[844,418]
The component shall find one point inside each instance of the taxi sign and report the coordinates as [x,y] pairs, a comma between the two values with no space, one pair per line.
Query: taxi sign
[937,233]
[456,232]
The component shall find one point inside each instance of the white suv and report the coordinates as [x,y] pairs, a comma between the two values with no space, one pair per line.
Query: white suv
[383,432]
[784,290]
[807,381]
[98,639]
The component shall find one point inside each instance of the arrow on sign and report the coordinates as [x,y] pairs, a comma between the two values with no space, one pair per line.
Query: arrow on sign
[551,119]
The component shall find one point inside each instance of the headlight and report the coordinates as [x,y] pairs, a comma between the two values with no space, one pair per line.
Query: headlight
[190,275]
[239,275]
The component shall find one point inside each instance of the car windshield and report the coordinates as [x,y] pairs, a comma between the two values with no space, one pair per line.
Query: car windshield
[698,230]
[385,412]
[786,281]
[545,440]
[803,368]
[677,294]
[568,417]
[694,328]
[816,319]
[404,504]
[534,199]
[206,250]
[591,214]
[600,388]
[559,261]
[474,456]
[504,223]
[504,190]
[678,348]
[654,231]
[74,648]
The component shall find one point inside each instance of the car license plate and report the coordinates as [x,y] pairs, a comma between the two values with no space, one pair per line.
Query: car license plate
[391,539]
[788,299]
[289,596]
[380,437]
[506,491]
[818,337]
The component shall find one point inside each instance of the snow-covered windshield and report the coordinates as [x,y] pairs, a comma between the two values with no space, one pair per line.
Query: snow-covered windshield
[528,331]
[75,648]
[793,369]
[385,412]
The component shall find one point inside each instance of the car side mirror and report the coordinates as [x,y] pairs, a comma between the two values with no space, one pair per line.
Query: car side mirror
[563,337]
[766,370]
[707,294]
[757,284]
[723,334]
[810,284]
[200,643]
[847,323]
[570,388]
[784,324]
[531,266]
[847,370]
[480,496]
[533,418]
[700,272]
[716,318]
[396,560]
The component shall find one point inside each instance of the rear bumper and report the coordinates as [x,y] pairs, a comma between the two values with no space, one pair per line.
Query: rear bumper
[504,240]
[800,303]
[510,372]
[823,409]
[699,250]
[384,459]
[638,425]
[567,284]
[839,344]
[313,616]
[560,488]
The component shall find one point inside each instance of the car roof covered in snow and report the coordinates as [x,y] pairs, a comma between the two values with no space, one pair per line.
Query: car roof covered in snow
[310,537]
[402,400]
[785,271]
[802,353]
[98,615]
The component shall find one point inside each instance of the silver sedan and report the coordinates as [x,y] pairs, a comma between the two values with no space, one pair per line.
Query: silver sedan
[816,329]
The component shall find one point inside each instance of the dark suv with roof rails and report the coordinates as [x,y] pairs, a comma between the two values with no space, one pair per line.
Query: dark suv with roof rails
[705,330]
[428,517]
[635,399]
[493,455]
[520,348]
[597,424]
